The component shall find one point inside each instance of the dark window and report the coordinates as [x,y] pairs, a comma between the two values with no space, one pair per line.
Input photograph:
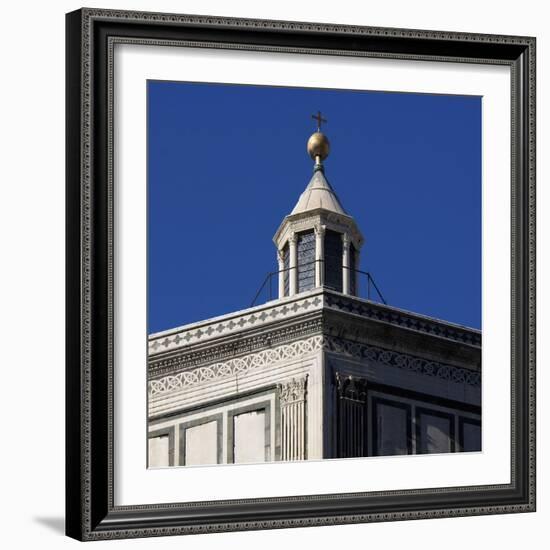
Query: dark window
[469,434]
[333,260]
[306,261]
[391,430]
[286,258]
[434,431]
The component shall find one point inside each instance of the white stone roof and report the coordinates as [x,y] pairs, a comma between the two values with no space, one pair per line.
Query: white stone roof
[318,194]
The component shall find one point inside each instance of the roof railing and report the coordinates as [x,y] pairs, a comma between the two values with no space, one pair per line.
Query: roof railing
[373,292]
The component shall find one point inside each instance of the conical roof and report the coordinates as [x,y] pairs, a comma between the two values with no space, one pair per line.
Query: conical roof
[318,194]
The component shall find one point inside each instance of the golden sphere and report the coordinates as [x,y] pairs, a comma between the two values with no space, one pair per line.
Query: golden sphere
[318,146]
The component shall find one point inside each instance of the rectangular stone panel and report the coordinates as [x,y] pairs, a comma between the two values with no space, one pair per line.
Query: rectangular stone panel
[249,437]
[159,451]
[201,444]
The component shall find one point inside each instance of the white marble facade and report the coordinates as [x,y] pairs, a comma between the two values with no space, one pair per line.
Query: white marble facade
[318,372]
[299,376]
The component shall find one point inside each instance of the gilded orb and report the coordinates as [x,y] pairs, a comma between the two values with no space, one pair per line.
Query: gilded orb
[318,146]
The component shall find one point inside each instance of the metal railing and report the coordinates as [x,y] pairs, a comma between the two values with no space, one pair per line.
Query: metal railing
[267,287]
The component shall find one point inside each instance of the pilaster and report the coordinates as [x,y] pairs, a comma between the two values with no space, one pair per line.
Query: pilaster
[293,263]
[346,271]
[319,255]
[293,428]
[351,396]
[281,264]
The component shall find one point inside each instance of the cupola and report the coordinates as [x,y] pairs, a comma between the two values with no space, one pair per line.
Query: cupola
[318,243]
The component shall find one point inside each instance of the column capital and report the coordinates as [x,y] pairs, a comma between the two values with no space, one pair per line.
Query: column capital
[351,387]
[292,390]
[320,230]
[293,239]
[346,240]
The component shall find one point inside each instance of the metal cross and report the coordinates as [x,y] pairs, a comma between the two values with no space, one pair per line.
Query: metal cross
[319,120]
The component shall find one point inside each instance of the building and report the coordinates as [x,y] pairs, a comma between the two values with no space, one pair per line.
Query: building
[318,372]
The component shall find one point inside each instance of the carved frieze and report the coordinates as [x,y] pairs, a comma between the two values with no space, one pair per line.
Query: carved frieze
[402,319]
[233,324]
[402,361]
[288,352]
[239,365]
[226,350]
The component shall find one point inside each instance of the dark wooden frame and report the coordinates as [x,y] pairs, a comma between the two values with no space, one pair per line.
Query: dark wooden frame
[91,513]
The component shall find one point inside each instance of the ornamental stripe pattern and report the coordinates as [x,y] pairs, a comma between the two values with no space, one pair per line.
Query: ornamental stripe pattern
[247,363]
[239,365]
[404,361]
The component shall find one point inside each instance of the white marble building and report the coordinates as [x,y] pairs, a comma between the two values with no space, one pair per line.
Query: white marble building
[319,372]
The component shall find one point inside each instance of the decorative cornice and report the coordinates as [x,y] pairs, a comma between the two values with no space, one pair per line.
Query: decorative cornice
[234,367]
[204,342]
[402,361]
[185,360]
[296,223]
[243,365]
[410,321]
[233,323]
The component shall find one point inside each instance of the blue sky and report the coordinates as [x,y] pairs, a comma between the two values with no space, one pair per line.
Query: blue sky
[226,163]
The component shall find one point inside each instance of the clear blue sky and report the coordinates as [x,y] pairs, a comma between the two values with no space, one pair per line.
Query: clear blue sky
[226,163]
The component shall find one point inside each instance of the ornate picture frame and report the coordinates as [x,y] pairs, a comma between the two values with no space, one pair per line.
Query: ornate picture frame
[91,509]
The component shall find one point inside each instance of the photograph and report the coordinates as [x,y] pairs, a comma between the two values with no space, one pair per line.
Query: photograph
[300,273]
[314,273]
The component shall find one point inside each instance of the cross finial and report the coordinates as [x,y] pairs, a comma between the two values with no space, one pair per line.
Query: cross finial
[319,120]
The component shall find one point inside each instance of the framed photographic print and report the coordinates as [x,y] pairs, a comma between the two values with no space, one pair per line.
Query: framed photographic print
[300,274]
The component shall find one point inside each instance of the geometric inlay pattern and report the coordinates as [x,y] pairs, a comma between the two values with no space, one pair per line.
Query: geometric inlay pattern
[403,361]
[242,365]
[386,314]
[215,329]
[370,310]
[238,365]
